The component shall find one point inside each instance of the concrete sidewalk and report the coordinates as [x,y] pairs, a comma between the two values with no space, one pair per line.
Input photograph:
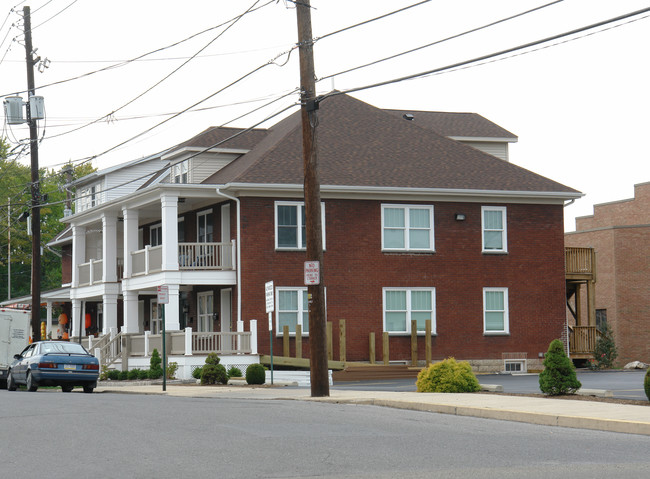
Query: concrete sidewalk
[544,411]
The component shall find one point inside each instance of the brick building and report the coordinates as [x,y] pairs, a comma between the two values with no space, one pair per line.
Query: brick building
[424,219]
[619,232]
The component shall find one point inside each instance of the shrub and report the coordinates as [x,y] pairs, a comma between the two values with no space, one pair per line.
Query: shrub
[448,376]
[133,374]
[212,359]
[124,375]
[255,374]
[559,375]
[605,352]
[646,384]
[196,374]
[155,373]
[143,374]
[113,374]
[103,376]
[155,365]
[213,374]
[234,372]
[171,370]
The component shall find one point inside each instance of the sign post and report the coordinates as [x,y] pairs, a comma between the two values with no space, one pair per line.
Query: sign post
[163,300]
[270,305]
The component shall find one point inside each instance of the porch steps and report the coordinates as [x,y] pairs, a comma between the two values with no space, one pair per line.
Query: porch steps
[365,372]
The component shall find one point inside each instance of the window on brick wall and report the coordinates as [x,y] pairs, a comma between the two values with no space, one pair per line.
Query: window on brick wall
[407,228]
[403,305]
[292,308]
[495,311]
[494,230]
[290,225]
[601,319]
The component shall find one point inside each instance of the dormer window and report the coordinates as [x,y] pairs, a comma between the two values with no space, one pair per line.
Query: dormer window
[180,172]
[89,197]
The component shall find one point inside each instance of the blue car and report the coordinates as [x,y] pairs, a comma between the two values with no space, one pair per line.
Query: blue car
[54,363]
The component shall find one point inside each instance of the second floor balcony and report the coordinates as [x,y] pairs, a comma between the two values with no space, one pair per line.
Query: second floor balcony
[191,256]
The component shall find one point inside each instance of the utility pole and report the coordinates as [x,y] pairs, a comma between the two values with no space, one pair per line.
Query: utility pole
[316,293]
[36,194]
[8,248]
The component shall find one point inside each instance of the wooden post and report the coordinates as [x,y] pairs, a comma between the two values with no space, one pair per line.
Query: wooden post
[384,348]
[414,343]
[285,341]
[330,347]
[372,348]
[427,341]
[298,341]
[342,354]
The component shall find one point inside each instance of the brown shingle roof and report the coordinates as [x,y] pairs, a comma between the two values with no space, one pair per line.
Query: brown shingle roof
[245,140]
[451,124]
[361,145]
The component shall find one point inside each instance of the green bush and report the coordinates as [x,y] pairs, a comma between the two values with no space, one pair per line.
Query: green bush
[155,365]
[196,374]
[171,370]
[155,373]
[214,374]
[143,374]
[255,374]
[124,375]
[113,374]
[605,352]
[559,375]
[212,359]
[234,372]
[646,384]
[133,374]
[448,376]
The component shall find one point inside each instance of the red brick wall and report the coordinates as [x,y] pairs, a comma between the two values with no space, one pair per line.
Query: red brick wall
[355,271]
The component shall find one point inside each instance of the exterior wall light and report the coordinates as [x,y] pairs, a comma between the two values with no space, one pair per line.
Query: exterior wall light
[459,216]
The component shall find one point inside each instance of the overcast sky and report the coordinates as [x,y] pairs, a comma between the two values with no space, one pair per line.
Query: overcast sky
[580,107]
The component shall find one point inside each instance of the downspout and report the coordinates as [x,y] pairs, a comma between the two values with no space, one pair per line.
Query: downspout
[240,321]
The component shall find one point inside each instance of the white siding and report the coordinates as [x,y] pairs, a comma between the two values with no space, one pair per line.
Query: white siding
[205,165]
[127,180]
[498,149]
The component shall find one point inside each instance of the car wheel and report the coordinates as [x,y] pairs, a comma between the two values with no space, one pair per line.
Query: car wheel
[11,384]
[67,389]
[30,383]
[88,389]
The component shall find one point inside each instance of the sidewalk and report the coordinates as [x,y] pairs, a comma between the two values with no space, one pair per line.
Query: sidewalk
[548,412]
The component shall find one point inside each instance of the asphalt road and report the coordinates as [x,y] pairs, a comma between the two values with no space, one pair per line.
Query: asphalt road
[623,384]
[55,435]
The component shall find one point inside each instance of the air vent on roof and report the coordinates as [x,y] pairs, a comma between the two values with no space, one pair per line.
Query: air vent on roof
[408,116]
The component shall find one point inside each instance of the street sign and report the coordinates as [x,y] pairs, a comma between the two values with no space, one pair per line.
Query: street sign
[312,273]
[163,294]
[270,301]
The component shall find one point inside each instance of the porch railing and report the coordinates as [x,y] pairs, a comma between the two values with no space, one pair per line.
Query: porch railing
[582,339]
[579,260]
[191,256]
[92,272]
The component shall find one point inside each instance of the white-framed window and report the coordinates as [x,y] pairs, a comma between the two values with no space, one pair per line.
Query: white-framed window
[403,305]
[155,235]
[180,172]
[291,308]
[204,229]
[495,311]
[205,308]
[89,197]
[290,225]
[407,228]
[494,229]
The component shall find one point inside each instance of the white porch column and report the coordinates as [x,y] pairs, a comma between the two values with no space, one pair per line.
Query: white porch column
[78,252]
[169,214]
[48,330]
[110,313]
[73,322]
[130,239]
[109,247]
[253,326]
[131,321]
[172,318]
[188,341]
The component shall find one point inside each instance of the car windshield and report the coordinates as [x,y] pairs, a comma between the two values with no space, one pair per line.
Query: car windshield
[66,348]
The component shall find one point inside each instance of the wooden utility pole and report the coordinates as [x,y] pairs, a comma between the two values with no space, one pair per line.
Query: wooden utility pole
[36,193]
[316,293]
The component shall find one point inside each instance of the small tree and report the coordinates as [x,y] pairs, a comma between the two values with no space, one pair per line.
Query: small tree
[605,352]
[559,375]
[155,368]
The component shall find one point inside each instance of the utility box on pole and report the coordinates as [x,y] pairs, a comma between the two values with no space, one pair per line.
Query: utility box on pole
[14,110]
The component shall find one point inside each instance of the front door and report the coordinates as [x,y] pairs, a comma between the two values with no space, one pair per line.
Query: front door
[206,310]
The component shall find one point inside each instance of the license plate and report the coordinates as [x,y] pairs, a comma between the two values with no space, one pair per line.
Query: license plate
[69,366]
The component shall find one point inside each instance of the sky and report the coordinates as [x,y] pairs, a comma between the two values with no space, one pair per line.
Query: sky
[579,105]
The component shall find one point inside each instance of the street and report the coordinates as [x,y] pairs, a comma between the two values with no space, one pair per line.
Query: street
[55,435]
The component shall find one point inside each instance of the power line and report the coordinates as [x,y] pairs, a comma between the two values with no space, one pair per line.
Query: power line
[491,55]
[437,42]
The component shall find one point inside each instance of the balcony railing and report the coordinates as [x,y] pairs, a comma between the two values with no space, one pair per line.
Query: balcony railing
[580,261]
[191,256]
[92,272]
[582,339]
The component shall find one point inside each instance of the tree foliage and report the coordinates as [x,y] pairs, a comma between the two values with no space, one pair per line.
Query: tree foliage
[559,375]
[15,188]
[605,352]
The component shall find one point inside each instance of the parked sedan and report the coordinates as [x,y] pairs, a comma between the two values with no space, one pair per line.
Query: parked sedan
[54,363]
